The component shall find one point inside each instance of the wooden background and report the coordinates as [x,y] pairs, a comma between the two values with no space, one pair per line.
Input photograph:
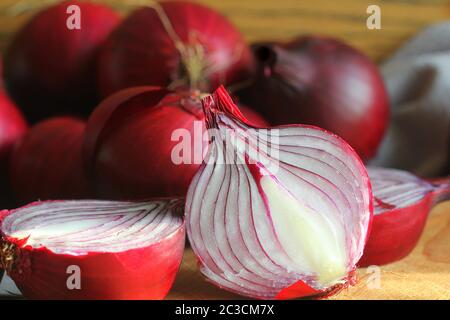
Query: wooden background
[424,274]
[284,19]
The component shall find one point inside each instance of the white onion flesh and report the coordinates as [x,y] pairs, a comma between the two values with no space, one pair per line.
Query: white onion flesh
[306,218]
[396,188]
[80,227]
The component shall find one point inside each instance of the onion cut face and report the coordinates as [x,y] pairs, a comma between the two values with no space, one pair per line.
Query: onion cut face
[402,202]
[123,250]
[276,213]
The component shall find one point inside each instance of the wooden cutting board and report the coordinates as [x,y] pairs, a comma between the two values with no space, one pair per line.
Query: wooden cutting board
[424,274]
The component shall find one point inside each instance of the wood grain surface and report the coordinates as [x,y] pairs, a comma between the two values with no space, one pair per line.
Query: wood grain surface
[425,273]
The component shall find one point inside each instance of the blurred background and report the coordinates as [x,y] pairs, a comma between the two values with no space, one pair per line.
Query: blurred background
[409,79]
[284,19]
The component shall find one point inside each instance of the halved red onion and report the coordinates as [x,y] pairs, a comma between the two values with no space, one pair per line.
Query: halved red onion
[402,202]
[276,213]
[122,250]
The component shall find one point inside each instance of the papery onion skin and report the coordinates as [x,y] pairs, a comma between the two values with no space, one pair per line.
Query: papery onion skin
[47,162]
[50,69]
[323,82]
[396,229]
[12,128]
[128,146]
[140,273]
[232,248]
[141,51]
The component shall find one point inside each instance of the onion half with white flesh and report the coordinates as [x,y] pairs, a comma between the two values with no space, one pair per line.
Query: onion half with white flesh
[91,249]
[276,213]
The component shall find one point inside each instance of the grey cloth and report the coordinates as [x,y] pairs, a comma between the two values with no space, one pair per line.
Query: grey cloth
[8,289]
[417,78]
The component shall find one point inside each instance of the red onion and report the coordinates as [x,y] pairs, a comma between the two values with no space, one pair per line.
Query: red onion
[323,82]
[402,202]
[12,128]
[47,163]
[276,213]
[121,250]
[175,44]
[130,143]
[49,68]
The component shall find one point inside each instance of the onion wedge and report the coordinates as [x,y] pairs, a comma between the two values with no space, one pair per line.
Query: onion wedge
[276,213]
[402,202]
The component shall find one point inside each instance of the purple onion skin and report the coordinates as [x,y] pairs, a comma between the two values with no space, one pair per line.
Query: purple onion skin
[49,69]
[323,82]
[402,205]
[141,52]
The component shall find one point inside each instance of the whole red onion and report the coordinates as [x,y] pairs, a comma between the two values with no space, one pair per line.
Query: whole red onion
[131,139]
[175,44]
[49,68]
[47,163]
[12,128]
[323,82]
